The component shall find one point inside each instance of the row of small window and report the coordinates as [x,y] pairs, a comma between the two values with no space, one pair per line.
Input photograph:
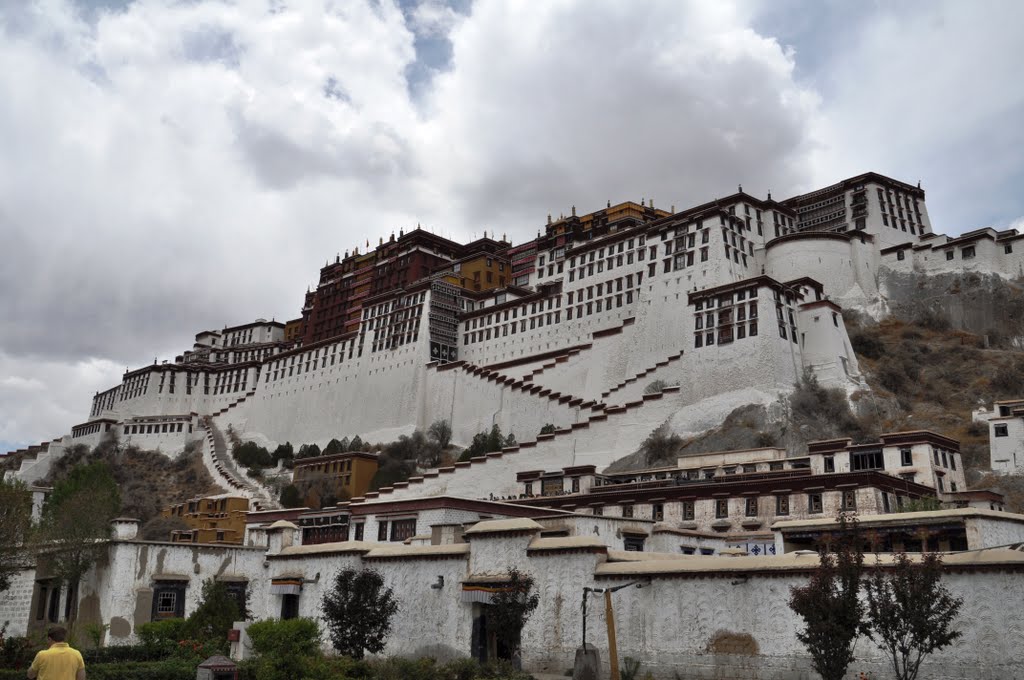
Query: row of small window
[728,298]
[504,330]
[400,303]
[240,337]
[135,387]
[618,285]
[725,316]
[612,262]
[751,506]
[250,355]
[620,247]
[498,317]
[159,428]
[902,225]
[726,334]
[943,458]
[277,369]
[394,318]
[396,341]
[302,471]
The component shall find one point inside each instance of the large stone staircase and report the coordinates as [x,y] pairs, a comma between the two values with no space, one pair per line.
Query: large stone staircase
[608,432]
[618,389]
[222,468]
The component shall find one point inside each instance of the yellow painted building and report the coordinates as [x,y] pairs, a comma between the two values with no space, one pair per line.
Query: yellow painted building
[293,330]
[211,519]
[350,472]
[481,272]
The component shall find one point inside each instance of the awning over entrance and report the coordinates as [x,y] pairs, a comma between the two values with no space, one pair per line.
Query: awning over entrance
[286,585]
[481,589]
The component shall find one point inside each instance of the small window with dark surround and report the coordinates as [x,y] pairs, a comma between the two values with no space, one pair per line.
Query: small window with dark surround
[1001,431]
[906,457]
[169,600]
[402,529]
[658,512]
[633,543]
[751,507]
[782,505]
[721,508]
[866,460]
[688,510]
[830,464]
[814,505]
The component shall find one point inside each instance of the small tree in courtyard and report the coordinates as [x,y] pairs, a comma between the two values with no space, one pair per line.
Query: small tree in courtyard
[833,613]
[511,608]
[358,612]
[910,612]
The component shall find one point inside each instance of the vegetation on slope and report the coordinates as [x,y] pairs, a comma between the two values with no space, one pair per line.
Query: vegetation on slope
[923,375]
[148,481]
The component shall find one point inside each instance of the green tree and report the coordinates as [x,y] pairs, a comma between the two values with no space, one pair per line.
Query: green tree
[15,524]
[334,446]
[217,611]
[910,613]
[308,451]
[252,455]
[511,608]
[356,444]
[494,439]
[358,611]
[830,606]
[76,520]
[290,497]
[284,452]
[285,649]
[548,428]
[441,432]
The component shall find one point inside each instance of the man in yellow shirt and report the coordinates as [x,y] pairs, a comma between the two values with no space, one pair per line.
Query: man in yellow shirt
[60,661]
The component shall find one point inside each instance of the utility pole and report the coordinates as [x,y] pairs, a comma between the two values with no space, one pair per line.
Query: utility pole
[613,650]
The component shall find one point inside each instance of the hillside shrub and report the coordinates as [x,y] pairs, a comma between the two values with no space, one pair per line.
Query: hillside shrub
[252,455]
[484,443]
[932,320]
[824,410]
[867,344]
[661,446]
[655,387]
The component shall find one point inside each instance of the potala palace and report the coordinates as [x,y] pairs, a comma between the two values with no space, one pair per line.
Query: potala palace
[720,305]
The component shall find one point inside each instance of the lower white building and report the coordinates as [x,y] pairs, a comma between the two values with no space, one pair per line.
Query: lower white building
[1005,434]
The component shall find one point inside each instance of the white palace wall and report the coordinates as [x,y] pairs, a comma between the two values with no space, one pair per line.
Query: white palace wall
[700,617]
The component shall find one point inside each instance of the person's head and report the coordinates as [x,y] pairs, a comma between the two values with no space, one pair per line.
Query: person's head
[57,633]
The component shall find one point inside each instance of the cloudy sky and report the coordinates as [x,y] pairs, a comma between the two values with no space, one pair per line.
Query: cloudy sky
[167,166]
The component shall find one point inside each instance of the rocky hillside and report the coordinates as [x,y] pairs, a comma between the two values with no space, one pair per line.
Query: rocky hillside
[955,347]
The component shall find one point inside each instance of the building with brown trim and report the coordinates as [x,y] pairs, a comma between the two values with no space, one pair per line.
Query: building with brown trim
[346,475]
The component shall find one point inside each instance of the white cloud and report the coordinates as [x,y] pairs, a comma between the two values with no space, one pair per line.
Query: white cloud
[42,399]
[561,103]
[930,91]
[174,166]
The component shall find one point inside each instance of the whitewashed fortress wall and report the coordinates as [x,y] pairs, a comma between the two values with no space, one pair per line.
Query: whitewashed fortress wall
[592,320]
